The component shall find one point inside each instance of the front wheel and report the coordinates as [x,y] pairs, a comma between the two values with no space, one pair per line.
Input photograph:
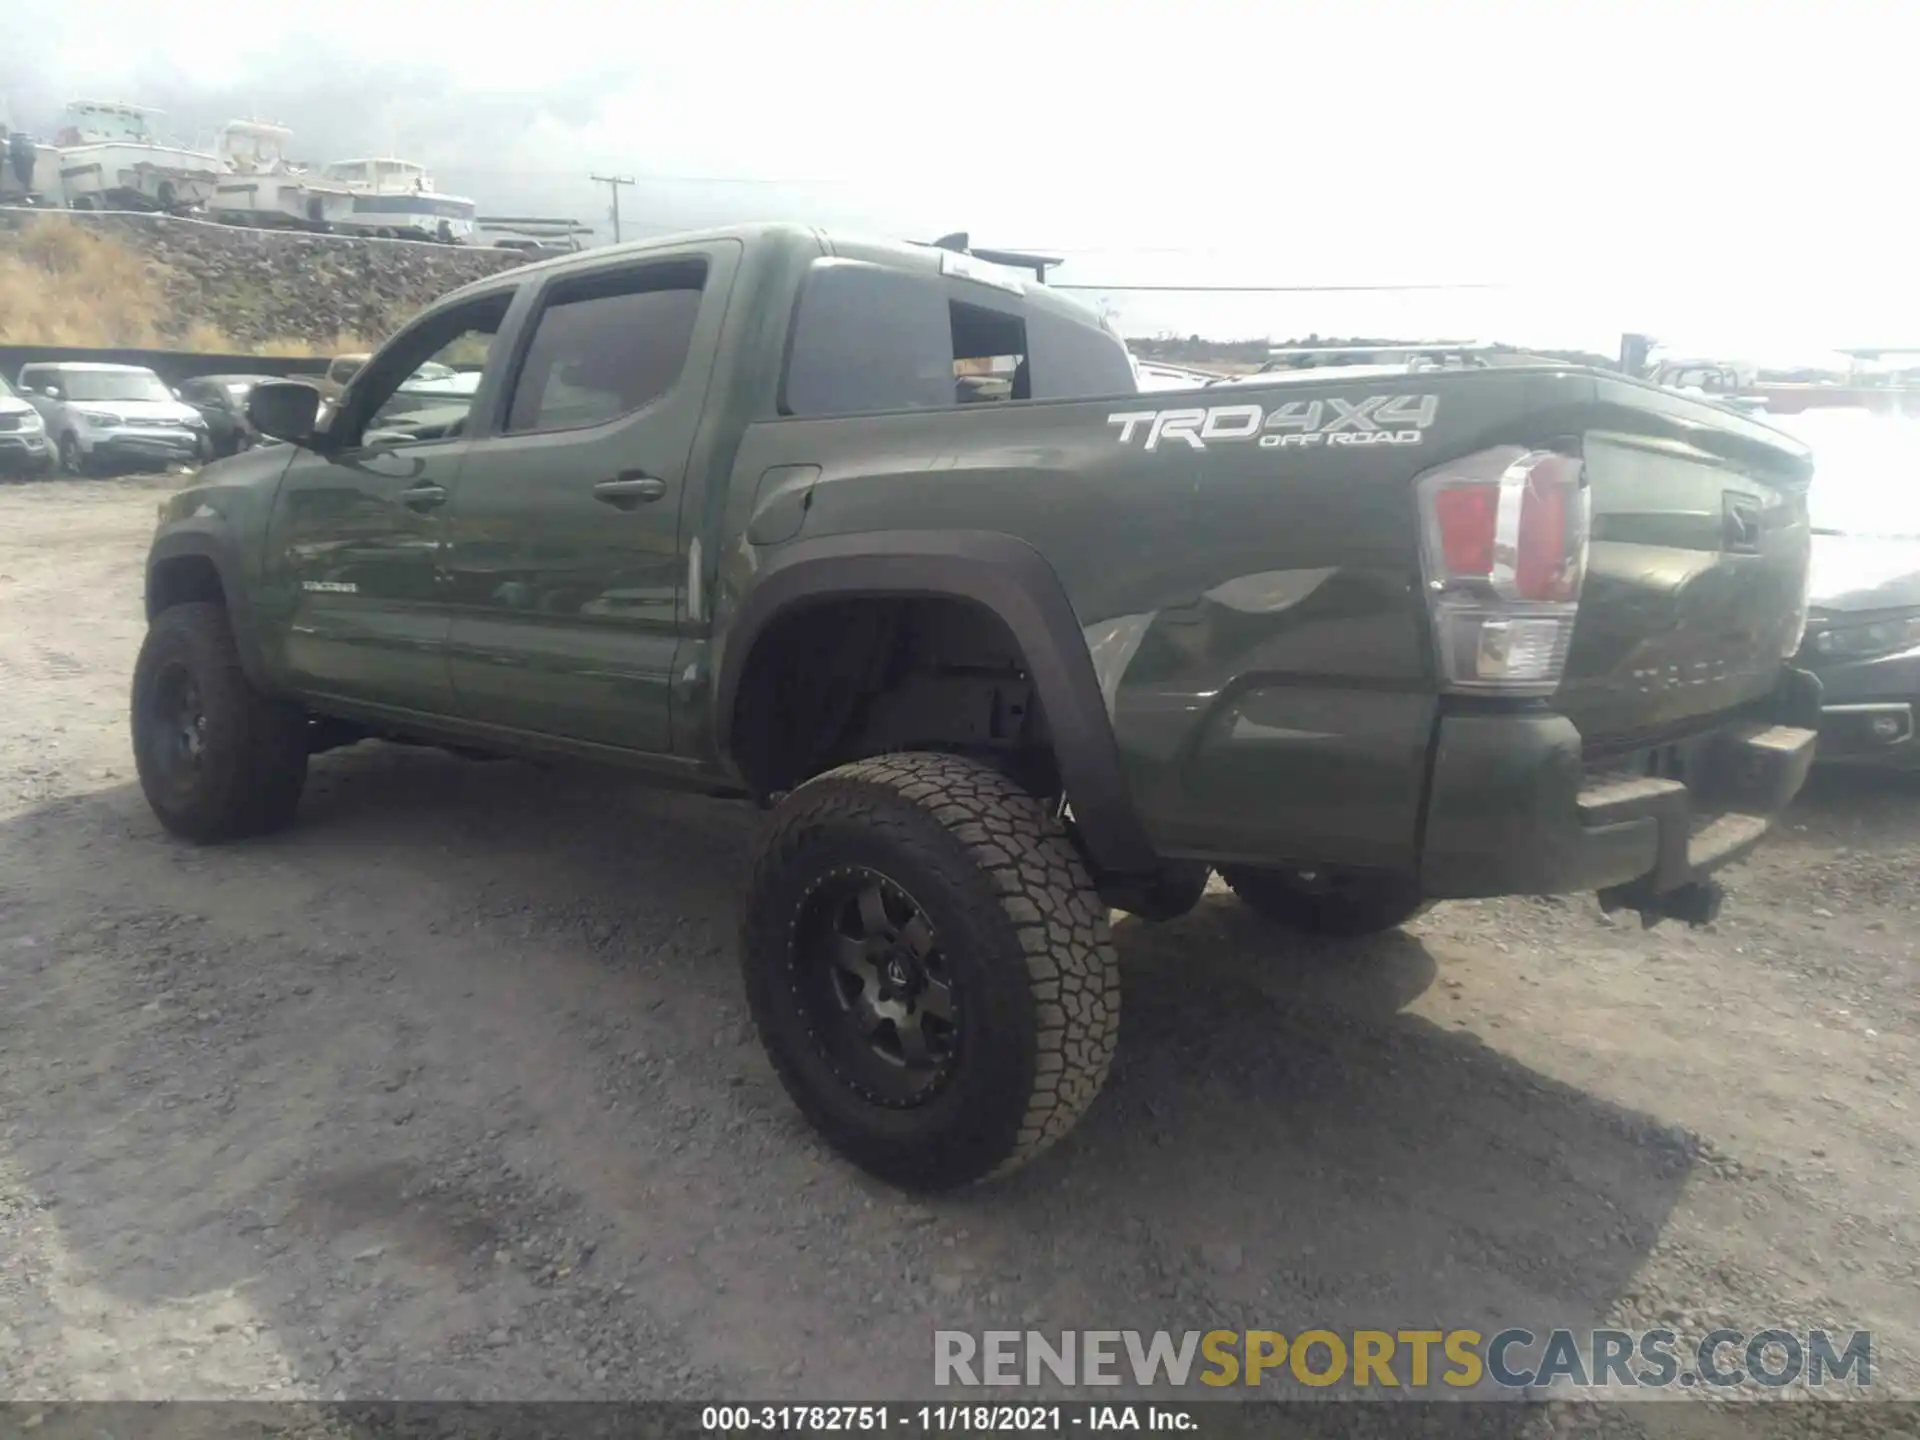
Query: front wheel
[1333,902]
[929,967]
[217,759]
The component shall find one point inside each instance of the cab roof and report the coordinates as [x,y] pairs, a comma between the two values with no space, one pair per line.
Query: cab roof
[851,245]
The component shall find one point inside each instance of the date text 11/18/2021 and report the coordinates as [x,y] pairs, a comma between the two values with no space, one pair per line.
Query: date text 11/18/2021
[946,1419]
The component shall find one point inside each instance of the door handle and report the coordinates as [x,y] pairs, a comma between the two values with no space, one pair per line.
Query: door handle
[423,497]
[630,490]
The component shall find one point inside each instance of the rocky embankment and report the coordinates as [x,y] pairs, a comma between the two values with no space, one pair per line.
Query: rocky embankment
[275,288]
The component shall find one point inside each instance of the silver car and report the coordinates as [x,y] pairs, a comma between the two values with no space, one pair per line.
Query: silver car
[105,417]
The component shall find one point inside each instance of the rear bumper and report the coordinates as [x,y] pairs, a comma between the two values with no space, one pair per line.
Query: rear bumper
[1513,808]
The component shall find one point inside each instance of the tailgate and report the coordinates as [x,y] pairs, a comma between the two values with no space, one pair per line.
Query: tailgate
[1697,570]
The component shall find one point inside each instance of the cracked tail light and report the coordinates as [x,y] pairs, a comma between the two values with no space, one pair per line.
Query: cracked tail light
[1504,547]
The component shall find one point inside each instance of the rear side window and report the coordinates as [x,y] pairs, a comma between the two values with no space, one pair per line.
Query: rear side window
[870,339]
[866,338]
[607,345]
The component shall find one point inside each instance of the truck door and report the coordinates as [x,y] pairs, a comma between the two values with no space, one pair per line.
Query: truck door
[565,565]
[357,533]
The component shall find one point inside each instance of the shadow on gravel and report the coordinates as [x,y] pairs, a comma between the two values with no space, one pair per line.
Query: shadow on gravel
[199,1106]
[1857,790]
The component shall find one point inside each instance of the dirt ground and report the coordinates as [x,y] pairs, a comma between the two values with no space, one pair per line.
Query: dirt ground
[449,1092]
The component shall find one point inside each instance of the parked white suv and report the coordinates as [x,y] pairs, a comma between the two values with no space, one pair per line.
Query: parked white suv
[101,417]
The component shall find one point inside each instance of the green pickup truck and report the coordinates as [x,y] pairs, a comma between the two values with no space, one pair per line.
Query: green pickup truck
[886,539]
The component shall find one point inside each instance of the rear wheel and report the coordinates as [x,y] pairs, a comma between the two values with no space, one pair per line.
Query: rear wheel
[217,759]
[929,967]
[1328,901]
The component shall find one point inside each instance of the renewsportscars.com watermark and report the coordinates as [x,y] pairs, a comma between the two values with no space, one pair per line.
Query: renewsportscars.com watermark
[1512,1359]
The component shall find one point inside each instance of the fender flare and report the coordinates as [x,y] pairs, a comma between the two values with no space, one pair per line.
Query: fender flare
[214,543]
[1011,580]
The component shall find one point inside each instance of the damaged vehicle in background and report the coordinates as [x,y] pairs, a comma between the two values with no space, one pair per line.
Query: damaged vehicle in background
[1863,621]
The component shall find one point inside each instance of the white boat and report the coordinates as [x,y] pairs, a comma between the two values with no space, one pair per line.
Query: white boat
[111,160]
[262,187]
[396,199]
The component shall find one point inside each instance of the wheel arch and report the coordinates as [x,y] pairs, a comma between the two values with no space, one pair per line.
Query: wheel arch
[1002,575]
[201,562]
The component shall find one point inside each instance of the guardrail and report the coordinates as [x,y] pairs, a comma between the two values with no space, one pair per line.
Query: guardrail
[172,366]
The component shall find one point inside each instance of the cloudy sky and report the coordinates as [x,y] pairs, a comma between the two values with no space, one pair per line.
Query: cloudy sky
[1732,176]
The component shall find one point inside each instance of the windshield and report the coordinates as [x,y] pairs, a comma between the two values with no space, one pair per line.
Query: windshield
[113,385]
[1866,471]
[6,390]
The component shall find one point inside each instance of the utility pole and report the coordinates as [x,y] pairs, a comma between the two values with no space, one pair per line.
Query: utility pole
[613,183]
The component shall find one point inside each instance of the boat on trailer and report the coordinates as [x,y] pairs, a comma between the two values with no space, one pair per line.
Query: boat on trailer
[110,159]
[396,199]
[262,187]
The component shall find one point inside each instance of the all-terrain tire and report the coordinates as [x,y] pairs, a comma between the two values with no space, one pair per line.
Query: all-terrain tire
[246,772]
[1354,904]
[1019,934]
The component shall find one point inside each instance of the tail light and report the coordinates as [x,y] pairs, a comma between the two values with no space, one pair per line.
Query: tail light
[1504,537]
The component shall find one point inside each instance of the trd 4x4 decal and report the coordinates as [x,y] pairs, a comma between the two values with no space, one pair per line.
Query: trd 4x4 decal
[1373,420]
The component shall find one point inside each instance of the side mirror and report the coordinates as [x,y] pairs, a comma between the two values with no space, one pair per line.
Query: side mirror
[52,392]
[285,410]
[176,393]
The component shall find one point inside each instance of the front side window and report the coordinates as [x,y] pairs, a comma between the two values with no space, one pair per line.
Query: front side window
[461,338]
[605,346]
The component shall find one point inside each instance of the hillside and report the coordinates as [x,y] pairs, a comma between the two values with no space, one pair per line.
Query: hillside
[153,281]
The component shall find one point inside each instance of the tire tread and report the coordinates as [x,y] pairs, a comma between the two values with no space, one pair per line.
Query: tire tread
[262,789]
[1043,888]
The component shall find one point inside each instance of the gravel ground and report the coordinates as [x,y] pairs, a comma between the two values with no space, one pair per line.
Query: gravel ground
[449,1091]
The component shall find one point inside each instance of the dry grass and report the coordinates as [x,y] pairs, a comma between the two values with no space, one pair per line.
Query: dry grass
[62,284]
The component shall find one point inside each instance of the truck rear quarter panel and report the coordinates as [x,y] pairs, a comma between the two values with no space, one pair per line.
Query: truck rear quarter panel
[1253,610]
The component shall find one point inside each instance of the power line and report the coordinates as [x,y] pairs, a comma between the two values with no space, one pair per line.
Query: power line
[613,184]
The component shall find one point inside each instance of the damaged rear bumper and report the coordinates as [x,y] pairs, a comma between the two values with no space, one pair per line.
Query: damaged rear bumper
[1514,808]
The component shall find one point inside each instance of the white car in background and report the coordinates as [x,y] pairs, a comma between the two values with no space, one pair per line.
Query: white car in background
[102,417]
